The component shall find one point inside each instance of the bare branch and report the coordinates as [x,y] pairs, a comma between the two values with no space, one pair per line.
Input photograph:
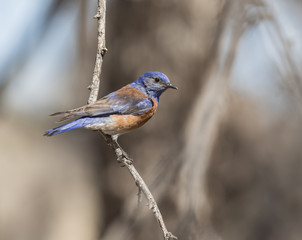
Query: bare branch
[140,183]
[101,51]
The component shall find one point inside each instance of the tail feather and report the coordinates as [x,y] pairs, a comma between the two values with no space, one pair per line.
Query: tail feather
[68,114]
[65,118]
[57,113]
[66,127]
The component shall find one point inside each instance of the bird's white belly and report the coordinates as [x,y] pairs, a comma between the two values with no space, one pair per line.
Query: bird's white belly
[119,124]
[107,125]
[103,124]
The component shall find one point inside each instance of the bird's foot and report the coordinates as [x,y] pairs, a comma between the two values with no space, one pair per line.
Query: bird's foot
[123,157]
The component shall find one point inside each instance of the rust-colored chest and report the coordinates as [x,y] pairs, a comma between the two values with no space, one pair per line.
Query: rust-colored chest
[125,123]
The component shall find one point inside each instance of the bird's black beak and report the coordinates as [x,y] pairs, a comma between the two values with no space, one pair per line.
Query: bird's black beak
[170,85]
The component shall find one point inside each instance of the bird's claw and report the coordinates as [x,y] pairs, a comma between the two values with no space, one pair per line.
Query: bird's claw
[123,158]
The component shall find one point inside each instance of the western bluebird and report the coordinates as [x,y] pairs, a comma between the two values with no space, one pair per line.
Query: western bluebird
[121,111]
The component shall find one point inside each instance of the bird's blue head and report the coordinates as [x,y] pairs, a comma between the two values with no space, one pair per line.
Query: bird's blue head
[153,84]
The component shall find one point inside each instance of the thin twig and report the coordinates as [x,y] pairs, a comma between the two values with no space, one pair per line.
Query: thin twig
[101,51]
[151,201]
[94,88]
[142,188]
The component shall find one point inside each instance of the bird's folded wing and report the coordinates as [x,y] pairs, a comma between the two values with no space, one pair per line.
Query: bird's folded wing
[127,100]
[117,105]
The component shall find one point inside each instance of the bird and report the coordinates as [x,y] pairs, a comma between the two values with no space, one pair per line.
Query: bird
[119,112]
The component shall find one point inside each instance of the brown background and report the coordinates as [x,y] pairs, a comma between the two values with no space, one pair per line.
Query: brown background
[222,163]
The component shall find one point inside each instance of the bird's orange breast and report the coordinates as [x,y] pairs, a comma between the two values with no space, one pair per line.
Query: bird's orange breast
[125,123]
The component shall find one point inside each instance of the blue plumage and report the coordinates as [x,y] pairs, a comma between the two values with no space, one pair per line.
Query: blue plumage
[81,122]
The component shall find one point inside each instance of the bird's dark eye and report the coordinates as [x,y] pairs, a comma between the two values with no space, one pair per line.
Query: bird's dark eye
[156,79]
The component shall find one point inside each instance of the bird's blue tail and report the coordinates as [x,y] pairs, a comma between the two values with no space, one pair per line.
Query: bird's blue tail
[81,122]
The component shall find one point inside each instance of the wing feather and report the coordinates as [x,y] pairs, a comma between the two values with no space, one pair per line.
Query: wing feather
[127,100]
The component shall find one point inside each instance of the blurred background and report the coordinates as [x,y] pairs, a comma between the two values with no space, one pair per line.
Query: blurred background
[222,155]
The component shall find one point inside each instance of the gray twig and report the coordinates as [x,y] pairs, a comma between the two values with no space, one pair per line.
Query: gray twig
[100,53]
[142,187]
[94,88]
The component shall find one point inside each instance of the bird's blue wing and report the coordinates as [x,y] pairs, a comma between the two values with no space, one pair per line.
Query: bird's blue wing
[127,100]
[117,105]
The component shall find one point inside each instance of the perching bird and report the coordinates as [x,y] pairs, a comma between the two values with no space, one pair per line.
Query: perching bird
[121,111]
